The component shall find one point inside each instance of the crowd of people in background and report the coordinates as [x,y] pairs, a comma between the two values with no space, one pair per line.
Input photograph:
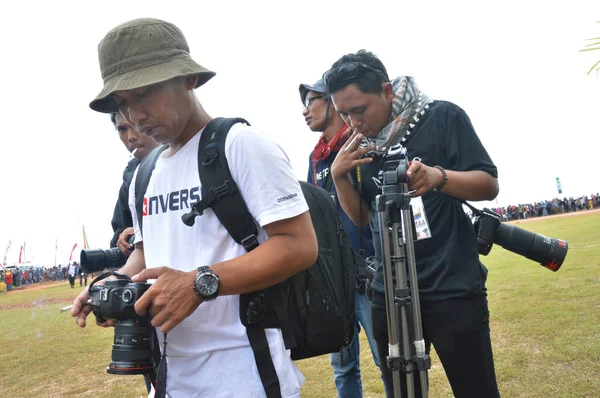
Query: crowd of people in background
[16,277]
[548,207]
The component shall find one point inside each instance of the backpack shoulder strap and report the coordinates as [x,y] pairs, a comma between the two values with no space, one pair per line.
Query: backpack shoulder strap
[142,180]
[219,191]
[221,194]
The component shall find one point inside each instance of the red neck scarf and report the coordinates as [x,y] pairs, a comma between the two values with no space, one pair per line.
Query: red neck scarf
[325,148]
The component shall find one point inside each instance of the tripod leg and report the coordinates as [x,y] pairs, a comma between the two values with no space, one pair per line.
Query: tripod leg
[397,307]
[421,359]
[390,307]
[403,302]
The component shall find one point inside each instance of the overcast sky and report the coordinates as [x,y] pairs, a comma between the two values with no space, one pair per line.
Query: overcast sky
[514,67]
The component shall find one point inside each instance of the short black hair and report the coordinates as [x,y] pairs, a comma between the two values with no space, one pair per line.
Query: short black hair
[368,81]
[113,118]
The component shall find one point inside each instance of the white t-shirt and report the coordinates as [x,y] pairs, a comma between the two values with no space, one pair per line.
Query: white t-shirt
[208,353]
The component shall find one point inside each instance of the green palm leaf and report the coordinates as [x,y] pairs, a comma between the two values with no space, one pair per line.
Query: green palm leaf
[592,47]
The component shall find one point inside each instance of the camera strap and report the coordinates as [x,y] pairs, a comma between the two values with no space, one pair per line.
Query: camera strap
[475,210]
[161,382]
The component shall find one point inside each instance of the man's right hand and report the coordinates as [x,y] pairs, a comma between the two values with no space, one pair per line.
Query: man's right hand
[349,157]
[122,242]
[81,309]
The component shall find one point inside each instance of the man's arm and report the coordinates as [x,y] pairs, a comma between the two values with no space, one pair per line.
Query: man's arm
[348,159]
[121,215]
[291,248]
[349,200]
[472,185]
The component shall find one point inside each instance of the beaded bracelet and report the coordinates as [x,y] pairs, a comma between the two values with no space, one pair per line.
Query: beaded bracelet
[444,180]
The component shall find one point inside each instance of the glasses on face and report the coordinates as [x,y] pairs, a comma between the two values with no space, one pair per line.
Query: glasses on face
[308,101]
[349,71]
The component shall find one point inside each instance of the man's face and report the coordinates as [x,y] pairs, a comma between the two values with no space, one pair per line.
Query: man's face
[315,111]
[132,139]
[160,111]
[366,113]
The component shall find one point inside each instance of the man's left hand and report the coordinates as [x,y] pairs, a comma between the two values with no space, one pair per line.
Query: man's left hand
[170,299]
[422,178]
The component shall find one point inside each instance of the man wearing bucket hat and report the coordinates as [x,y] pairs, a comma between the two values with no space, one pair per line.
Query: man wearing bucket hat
[149,77]
[320,116]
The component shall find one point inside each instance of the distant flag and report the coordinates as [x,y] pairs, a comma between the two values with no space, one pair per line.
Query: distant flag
[72,250]
[558,186]
[21,254]
[85,241]
[6,251]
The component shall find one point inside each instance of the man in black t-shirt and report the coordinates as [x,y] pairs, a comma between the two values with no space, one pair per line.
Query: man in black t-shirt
[448,164]
[122,223]
[140,146]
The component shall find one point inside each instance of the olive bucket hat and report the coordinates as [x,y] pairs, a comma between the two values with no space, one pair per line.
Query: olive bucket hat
[142,52]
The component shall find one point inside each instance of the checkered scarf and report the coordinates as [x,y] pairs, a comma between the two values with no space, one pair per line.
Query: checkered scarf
[408,104]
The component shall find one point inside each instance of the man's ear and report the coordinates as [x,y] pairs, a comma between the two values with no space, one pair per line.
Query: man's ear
[388,91]
[191,82]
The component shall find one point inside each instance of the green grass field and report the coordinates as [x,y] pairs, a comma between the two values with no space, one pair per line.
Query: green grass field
[545,332]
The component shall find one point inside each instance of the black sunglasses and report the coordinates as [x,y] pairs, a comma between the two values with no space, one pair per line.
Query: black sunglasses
[349,71]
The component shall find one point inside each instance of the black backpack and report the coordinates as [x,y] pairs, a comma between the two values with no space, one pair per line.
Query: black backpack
[314,308]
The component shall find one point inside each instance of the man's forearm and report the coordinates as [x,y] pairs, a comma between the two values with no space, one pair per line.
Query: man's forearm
[135,263]
[472,185]
[289,251]
[350,201]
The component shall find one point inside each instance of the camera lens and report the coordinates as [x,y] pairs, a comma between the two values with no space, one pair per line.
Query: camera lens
[133,347]
[549,252]
[95,260]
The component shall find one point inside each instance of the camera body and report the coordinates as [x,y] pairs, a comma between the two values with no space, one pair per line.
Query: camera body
[133,350]
[116,298]
[549,252]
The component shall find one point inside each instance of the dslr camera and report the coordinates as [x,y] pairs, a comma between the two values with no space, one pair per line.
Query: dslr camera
[133,348]
[549,252]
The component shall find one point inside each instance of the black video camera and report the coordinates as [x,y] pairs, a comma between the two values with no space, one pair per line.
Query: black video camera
[549,252]
[94,260]
[133,348]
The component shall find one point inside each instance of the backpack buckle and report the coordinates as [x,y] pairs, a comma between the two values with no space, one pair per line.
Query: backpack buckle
[227,188]
[250,242]
[213,153]
[215,194]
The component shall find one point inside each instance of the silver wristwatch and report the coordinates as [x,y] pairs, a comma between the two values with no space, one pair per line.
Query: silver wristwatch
[206,284]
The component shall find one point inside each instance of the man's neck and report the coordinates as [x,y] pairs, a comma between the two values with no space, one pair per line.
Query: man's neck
[198,120]
[333,126]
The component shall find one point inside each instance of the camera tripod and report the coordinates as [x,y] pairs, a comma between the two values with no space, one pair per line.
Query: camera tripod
[406,344]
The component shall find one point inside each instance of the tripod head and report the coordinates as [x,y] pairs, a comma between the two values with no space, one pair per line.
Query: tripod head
[395,171]
[394,189]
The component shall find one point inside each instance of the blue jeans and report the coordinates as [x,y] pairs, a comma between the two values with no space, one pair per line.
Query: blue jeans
[347,376]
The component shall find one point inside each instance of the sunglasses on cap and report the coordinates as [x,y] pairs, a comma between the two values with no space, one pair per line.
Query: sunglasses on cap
[349,71]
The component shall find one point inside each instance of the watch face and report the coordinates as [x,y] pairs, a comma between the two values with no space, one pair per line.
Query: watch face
[208,284]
